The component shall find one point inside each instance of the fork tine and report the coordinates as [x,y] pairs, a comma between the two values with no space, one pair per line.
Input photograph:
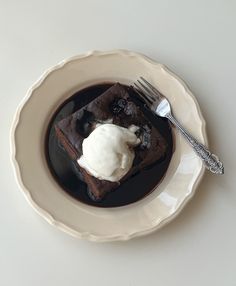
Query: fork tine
[141,94]
[154,89]
[148,91]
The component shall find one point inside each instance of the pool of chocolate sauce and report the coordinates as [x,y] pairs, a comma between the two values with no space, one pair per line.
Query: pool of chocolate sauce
[69,178]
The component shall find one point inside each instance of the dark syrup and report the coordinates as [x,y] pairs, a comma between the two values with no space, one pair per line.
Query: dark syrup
[67,175]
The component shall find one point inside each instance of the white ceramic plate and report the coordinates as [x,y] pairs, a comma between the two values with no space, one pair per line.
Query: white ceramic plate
[44,194]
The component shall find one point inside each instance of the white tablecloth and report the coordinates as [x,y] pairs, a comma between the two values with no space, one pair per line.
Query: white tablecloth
[196,39]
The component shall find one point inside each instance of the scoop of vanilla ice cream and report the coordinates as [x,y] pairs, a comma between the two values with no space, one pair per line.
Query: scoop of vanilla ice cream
[107,151]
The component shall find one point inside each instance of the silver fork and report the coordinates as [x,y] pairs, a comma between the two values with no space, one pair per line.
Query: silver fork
[159,104]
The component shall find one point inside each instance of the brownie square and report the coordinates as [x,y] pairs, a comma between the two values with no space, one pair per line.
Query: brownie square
[116,104]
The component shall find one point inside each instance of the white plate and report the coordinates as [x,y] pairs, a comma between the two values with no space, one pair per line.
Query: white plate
[44,194]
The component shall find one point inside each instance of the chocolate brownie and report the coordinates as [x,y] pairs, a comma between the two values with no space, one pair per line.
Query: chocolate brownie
[118,105]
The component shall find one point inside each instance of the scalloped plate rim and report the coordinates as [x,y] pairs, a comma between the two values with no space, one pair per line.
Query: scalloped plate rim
[46,214]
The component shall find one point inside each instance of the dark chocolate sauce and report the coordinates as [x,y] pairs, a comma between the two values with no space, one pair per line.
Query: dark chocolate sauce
[68,176]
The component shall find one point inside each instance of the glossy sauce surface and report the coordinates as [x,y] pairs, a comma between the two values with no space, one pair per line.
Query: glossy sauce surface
[70,179]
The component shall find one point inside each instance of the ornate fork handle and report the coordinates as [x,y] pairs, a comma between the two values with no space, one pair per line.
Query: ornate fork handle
[210,160]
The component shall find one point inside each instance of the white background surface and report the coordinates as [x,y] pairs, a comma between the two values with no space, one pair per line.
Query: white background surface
[196,39]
